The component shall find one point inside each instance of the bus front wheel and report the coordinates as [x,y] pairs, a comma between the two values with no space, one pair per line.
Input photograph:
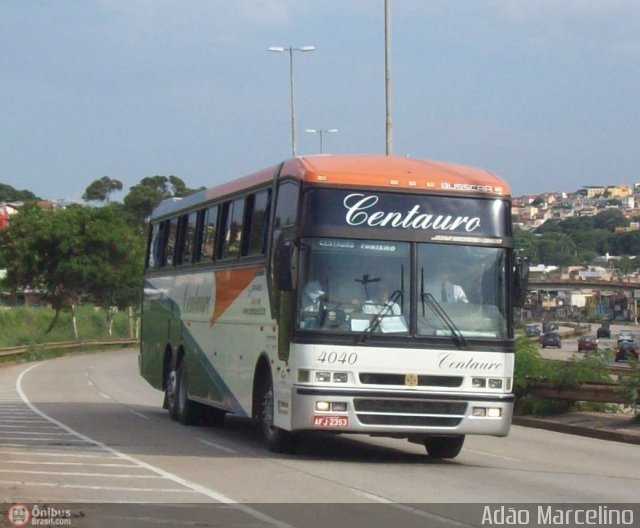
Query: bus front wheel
[444,446]
[278,440]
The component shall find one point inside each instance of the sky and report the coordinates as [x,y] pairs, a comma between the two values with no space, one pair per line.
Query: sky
[544,93]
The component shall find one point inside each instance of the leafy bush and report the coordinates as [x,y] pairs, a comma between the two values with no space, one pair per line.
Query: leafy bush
[531,368]
[22,326]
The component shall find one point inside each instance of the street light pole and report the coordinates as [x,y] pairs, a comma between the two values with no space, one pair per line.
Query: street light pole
[321,131]
[387,78]
[291,49]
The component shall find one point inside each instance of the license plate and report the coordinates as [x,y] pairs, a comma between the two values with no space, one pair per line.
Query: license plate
[330,421]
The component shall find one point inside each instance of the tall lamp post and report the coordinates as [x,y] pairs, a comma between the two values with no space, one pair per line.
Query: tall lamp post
[291,49]
[387,78]
[321,131]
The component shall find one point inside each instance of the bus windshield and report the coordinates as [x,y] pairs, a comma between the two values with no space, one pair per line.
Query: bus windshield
[366,286]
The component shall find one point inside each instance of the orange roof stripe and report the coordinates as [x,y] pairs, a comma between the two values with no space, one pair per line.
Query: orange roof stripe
[393,172]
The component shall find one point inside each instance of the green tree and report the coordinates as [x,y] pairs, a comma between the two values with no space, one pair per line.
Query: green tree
[73,255]
[10,194]
[146,195]
[99,190]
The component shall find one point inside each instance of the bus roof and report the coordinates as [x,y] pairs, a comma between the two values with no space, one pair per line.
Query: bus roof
[391,172]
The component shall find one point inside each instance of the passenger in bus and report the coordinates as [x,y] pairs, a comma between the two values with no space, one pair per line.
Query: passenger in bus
[382,300]
[313,297]
[442,288]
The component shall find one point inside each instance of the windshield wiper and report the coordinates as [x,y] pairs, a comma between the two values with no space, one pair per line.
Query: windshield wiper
[385,310]
[435,306]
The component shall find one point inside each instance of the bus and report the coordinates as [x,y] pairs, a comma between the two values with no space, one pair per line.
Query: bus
[303,296]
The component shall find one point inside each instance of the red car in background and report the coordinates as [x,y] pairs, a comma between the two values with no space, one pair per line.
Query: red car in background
[587,344]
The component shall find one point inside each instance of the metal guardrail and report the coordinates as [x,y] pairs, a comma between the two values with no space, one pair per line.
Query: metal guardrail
[17,350]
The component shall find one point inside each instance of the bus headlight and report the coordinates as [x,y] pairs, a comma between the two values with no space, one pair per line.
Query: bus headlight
[340,377]
[323,377]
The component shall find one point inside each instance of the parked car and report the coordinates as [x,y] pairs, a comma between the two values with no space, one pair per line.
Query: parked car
[587,343]
[625,335]
[626,349]
[548,326]
[551,339]
[532,330]
[604,331]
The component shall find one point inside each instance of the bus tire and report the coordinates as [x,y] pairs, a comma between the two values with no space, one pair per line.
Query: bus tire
[278,440]
[186,410]
[444,446]
[170,392]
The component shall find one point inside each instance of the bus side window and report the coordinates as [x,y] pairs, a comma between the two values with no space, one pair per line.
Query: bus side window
[231,227]
[287,205]
[152,249]
[257,223]
[208,234]
[186,238]
[170,245]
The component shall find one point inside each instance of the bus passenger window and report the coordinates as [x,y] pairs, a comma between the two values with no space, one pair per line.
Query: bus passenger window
[232,213]
[258,222]
[153,250]
[170,246]
[287,204]
[208,236]
[188,231]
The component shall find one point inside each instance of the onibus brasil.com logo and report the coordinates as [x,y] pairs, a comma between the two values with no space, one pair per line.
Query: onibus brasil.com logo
[24,515]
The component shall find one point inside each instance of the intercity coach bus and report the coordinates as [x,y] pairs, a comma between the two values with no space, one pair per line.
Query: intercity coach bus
[346,294]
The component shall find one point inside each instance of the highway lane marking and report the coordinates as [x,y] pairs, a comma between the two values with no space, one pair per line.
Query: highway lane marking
[412,510]
[83,464]
[138,414]
[196,488]
[39,439]
[48,433]
[99,488]
[78,474]
[44,425]
[62,455]
[93,385]
[218,446]
[502,457]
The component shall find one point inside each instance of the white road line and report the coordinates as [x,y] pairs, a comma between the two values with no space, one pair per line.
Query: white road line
[218,446]
[77,474]
[83,464]
[492,455]
[49,433]
[61,455]
[99,488]
[33,447]
[105,396]
[138,414]
[197,488]
[44,425]
[412,510]
[39,439]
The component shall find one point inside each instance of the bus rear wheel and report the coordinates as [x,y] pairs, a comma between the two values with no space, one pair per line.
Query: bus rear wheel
[444,446]
[170,386]
[186,410]
[278,440]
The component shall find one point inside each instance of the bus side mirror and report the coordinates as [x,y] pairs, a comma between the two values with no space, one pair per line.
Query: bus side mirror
[520,282]
[284,264]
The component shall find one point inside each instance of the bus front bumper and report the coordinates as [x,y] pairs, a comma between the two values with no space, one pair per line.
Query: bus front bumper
[400,413]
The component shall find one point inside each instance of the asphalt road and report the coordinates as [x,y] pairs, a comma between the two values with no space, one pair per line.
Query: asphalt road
[88,429]
[570,344]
